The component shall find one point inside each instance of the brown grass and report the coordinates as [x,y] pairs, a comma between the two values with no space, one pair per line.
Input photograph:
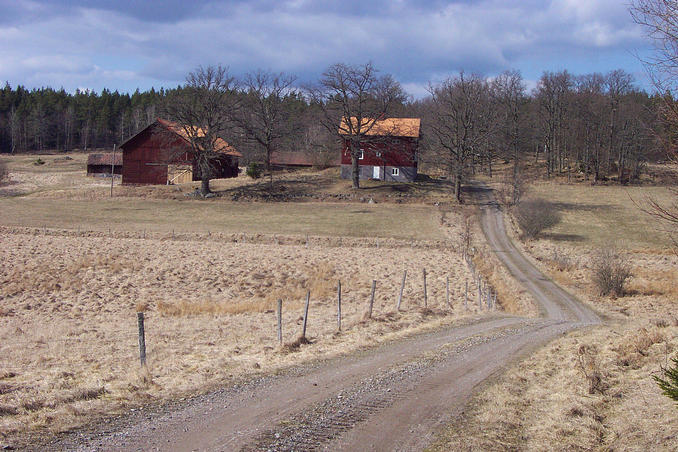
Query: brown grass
[69,302]
[593,389]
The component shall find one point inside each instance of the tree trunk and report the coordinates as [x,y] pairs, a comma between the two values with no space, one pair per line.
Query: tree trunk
[204,185]
[355,171]
[457,185]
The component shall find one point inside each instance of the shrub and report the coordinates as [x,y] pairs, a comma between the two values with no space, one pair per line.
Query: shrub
[610,272]
[669,384]
[534,216]
[39,162]
[253,170]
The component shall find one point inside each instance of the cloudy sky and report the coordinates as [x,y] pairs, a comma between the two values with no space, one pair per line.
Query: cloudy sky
[126,44]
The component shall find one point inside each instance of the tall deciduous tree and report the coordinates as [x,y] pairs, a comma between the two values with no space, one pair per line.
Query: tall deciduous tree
[461,123]
[362,97]
[265,117]
[204,110]
[508,93]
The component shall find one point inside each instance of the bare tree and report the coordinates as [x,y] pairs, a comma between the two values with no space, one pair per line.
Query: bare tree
[360,97]
[203,109]
[264,117]
[508,92]
[660,20]
[553,94]
[460,124]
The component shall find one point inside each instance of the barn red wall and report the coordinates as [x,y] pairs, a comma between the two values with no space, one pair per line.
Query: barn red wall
[400,152]
[145,157]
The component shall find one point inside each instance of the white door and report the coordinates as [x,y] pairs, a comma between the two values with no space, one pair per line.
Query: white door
[375,174]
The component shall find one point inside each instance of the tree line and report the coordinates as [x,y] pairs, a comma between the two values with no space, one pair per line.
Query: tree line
[599,125]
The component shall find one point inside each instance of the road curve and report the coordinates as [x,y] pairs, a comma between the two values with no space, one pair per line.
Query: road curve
[393,397]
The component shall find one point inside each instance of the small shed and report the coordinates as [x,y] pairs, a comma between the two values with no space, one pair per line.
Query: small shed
[300,159]
[99,164]
[388,149]
[161,154]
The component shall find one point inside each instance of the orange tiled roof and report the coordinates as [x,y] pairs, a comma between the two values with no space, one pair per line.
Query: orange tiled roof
[221,145]
[397,127]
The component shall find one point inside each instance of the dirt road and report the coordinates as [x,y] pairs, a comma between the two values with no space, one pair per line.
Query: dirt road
[394,397]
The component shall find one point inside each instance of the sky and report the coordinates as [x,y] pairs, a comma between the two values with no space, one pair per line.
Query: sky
[128,44]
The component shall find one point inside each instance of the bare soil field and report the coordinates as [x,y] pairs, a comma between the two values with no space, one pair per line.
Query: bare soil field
[592,389]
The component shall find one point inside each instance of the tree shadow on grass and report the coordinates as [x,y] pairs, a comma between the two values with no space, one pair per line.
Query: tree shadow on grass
[557,237]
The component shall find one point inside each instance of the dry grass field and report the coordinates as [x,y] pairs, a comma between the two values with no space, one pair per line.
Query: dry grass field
[70,289]
[593,389]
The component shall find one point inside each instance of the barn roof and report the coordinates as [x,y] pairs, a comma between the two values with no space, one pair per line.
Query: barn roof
[104,159]
[221,145]
[396,127]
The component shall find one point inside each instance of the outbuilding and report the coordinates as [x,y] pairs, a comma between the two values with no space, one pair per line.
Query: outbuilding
[161,154]
[101,164]
[388,149]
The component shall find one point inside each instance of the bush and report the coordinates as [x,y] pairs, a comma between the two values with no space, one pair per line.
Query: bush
[39,162]
[534,216]
[669,384]
[610,272]
[253,170]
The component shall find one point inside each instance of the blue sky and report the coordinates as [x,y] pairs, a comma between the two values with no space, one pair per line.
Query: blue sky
[129,44]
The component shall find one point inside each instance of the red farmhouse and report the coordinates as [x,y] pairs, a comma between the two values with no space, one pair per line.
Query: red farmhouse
[389,151]
[160,154]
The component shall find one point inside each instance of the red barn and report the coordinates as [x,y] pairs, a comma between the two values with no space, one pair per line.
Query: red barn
[388,152]
[160,154]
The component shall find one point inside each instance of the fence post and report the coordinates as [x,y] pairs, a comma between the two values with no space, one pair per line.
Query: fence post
[466,295]
[308,300]
[402,287]
[374,287]
[280,320]
[142,338]
[339,306]
[480,295]
[425,294]
[447,291]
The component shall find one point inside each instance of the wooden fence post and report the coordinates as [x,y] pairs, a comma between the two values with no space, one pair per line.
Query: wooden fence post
[280,320]
[466,295]
[447,291]
[425,294]
[402,287]
[142,338]
[374,287]
[308,300]
[480,295]
[339,306]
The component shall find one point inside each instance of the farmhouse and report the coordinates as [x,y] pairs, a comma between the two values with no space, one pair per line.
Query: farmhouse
[100,164]
[387,152]
[161,154]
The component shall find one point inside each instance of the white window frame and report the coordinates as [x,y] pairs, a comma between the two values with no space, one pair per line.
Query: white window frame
[361,156]
[395,171]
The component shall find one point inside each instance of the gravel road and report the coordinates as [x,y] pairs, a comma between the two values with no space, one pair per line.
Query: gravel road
[393,397]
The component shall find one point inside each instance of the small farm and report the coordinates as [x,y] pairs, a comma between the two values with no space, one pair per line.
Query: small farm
[207,274]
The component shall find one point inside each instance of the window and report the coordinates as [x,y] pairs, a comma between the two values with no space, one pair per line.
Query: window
[362,153]
[395,171]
